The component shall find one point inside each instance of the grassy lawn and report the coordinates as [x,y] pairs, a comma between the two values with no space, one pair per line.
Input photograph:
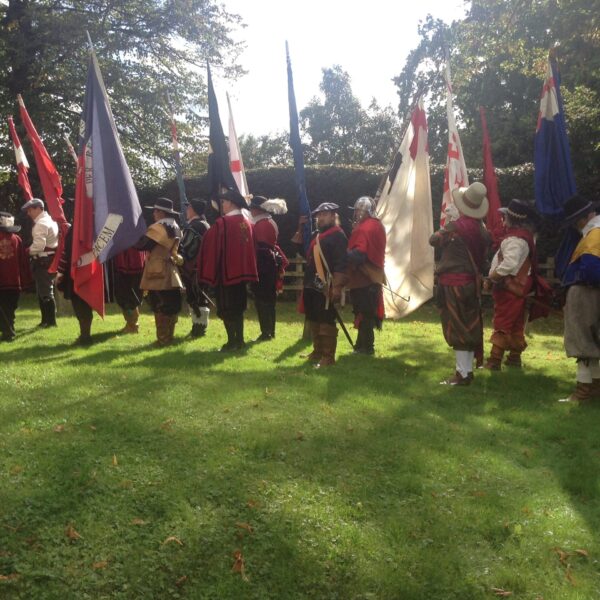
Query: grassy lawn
[128,471]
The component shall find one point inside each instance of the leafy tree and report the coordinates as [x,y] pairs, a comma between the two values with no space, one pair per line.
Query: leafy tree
[265,150]
[498,55]
[146,48]
[340,131]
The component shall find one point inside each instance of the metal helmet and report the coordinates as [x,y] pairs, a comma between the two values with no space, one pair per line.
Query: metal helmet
[363,208]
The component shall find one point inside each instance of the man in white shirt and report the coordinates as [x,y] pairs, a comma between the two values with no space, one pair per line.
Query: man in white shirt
[511,274]
[41,255]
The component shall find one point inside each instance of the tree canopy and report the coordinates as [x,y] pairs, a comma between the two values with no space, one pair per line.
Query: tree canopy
[146,49]
[498,53]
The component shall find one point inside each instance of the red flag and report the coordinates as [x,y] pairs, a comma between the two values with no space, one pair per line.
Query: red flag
[49,180]
[493,220]
[22,164]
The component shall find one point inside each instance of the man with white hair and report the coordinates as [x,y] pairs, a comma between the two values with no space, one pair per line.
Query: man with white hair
[41,254]
[366,256]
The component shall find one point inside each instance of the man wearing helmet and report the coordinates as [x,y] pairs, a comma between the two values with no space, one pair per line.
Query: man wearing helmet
[366,255]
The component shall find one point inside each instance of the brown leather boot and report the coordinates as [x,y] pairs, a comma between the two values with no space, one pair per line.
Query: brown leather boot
[458,379]
[165,325]
[513,359]
[315,355]
[581,394]
[494,362]
[131,320]
[328,335]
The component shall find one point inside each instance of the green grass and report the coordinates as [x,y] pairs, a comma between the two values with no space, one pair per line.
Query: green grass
[365,481]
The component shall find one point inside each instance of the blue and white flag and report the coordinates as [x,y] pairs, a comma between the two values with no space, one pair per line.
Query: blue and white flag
[554,181]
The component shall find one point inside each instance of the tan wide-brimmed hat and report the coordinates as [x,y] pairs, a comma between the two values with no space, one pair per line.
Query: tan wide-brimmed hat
[472,201]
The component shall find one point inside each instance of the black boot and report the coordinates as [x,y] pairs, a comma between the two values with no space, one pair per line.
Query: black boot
[239,332]
[366,337]
[271,313]
[231,336]
[198,330]
[262,310]
[48,313]
[42,323]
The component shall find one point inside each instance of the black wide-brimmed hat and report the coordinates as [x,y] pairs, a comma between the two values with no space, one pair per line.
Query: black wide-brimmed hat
[198,206]
[326,207]
[235,197]
[520,211]
[7,223]
[165,205]
[577,207]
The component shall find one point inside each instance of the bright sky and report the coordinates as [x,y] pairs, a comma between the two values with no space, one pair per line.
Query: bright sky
[370,43]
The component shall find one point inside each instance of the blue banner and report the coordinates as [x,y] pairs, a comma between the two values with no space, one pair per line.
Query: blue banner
[554,181]
[296,145]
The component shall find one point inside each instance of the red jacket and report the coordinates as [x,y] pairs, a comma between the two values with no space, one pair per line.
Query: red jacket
[227,255]
[15,274]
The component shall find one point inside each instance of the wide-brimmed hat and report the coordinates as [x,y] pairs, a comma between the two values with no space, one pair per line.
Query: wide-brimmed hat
[235,197]
[472,201]
[198,206]
[325,207]
[274,206]
[33,203]
[165,205]
[520,211]
[577,207]
[7,223]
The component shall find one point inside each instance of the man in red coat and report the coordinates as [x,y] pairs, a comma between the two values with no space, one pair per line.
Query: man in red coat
[227,263]
[15,274]
[271,261]
[366,255]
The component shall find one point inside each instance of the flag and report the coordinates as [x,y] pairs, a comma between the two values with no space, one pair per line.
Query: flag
[108,216]
[21,159]
[235,156]
[554,181]
[455,175]
[406,212]
[47,173]
[296,145]
[493,219]
[219,171]
[183,201]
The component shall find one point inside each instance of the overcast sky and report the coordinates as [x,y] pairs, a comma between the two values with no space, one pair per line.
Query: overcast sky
[371,44]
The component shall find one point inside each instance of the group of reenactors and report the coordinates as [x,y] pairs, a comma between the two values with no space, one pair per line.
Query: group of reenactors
[214,265]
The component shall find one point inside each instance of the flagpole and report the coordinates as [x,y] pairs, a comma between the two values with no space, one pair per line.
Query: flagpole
[183,201]
[71,149]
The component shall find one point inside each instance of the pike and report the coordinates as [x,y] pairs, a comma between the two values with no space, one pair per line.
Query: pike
[183,201]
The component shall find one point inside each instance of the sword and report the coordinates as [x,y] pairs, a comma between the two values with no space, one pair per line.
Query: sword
[342,325]
[385,287]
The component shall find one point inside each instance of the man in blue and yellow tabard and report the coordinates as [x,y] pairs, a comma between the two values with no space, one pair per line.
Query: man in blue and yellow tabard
[582,307]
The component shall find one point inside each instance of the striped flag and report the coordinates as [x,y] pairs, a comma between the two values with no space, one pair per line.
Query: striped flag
[554,180]
[296,145]
[235,156]
[108,216]
[455,175]
[21,159]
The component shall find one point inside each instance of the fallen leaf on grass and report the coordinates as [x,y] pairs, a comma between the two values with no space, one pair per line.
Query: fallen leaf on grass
[582,552]
[502,593]
[252,503]
[562,555]
[115,462]
[181,581]
[238,565]
[245,526]
[570,577]
[58,428]
[168,424]
[137,521]
[71,533]
[172,538]
[11,577]
[102,564]
[300,436]
[478,494]
[16,470]
[93,427]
